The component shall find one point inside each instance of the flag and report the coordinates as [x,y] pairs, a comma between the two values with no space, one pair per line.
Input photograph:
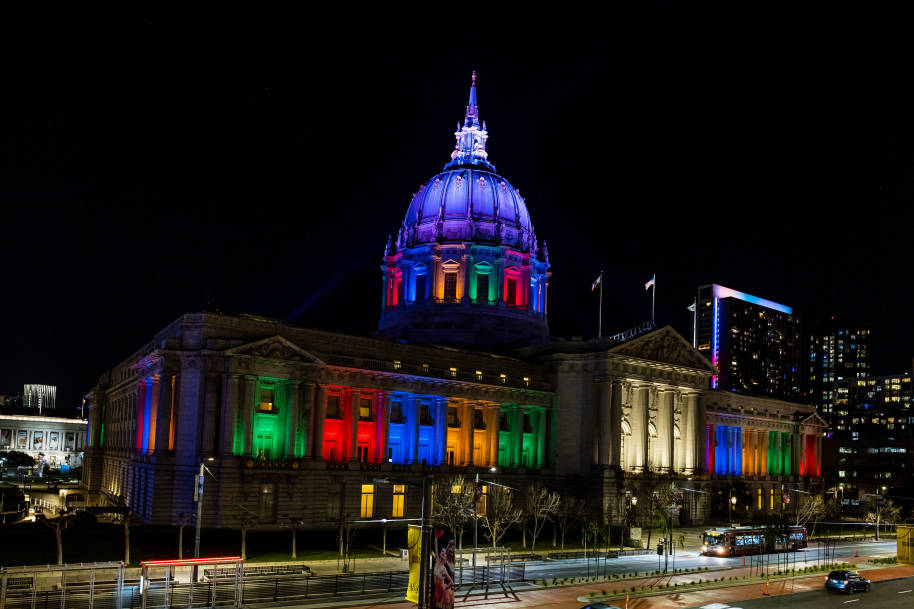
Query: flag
[691,307]
[648,285]
[596,282]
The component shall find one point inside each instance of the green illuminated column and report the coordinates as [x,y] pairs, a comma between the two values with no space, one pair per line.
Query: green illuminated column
[293,418]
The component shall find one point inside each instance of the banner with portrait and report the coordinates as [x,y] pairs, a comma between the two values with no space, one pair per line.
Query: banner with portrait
[53,440]
[37,440]
[443,574]
[6,439]
[22,439]
[414,545]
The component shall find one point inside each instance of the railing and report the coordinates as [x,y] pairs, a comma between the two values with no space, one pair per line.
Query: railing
[218,588]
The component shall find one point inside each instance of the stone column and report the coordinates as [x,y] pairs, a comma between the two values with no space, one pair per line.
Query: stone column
[701,427]
[440,432]
[416,408]
[818,455]
[153,413]
[763,452]
[318,412]
[604,418]
[541,447]
[615,425]
[645,411]
[229,409]
[465,446]
[639,427]
[381,420]
[492,434]
[142,388]
[518,436]
[666,403]
[354,423]
[292,401]
[210,415]
[687,445]
[306,410]
[247,414]
[163,418]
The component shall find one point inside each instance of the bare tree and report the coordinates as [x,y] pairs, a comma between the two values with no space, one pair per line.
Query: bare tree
[128,520]
[453,505]
[294,523]
[500,514]
[345,536]
[63,521]
[569,511]
[808,507]
[248,521]
[541,506]
[880,509]
[182,521]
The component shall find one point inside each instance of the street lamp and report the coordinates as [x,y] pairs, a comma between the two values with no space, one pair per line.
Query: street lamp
[424,537]
[198,497]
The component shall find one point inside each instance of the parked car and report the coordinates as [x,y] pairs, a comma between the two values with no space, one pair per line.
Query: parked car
[847,581]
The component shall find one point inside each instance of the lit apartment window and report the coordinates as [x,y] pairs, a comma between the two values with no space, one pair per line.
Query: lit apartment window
[397,364]
[479,375]
[481,505]
[399,505]
[456,489]
[367,504]
[426,368]
[503,377]
[266,401]
[453,371]
[527,381]
[365,409]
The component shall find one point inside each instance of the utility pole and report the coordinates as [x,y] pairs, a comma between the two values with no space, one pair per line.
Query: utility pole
[425,544]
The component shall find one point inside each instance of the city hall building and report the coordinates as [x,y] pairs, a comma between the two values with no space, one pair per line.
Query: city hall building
[461,377]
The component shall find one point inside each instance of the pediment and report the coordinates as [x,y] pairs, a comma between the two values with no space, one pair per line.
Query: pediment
[665,346]
[275,347]
[814,419]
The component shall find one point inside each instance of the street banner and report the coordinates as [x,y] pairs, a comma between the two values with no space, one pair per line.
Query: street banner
[445,552]
[413,543]
[905,544]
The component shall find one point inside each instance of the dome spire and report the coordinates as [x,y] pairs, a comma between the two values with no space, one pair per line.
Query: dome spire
[472,111]
[471,137]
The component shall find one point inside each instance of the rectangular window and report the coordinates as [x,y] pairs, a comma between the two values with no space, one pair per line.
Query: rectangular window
[453,371]
[266,400]
[396,412]
[425,416]
[511,291]
[365,409]
[456,489]
[333,407]
[482,496]
[399,505]
[367,504]
[452,419]
[482,287]
[420,287]
[334,500]
[479,419]
[450,286]
[267,503]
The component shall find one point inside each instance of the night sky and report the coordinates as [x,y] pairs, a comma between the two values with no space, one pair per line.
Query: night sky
[155,164]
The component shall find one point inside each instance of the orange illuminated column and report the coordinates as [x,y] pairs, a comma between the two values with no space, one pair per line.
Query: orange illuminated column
[153,412]
[467,427]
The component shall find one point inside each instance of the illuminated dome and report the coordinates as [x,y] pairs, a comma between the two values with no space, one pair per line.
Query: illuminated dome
[465,268]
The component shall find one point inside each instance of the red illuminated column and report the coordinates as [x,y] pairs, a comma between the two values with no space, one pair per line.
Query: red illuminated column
[818,454]
[353,423]
[383,418]
[319,410]
[710,445]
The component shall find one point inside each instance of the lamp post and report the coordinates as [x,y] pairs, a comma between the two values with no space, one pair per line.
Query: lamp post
[198,497]
[424,535]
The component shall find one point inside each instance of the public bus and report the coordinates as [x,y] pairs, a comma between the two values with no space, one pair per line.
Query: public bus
[752,540]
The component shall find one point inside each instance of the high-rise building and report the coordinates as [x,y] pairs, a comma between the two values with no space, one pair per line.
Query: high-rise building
[838,352]
[753,342]
[39,397]
[872,435]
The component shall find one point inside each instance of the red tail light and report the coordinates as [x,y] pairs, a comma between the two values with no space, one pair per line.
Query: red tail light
[845,582]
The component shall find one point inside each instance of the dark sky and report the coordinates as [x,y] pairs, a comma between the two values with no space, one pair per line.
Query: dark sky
[160,163]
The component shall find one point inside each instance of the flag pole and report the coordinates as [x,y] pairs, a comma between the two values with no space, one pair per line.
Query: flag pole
[600,321]
[653,298]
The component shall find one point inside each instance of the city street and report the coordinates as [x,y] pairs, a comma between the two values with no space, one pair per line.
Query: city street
[883,595]
[691,559]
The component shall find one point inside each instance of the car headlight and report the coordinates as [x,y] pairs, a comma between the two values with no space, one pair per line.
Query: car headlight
[720,550]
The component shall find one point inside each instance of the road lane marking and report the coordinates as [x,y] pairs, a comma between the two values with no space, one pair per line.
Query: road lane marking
[904,592]
[853,601]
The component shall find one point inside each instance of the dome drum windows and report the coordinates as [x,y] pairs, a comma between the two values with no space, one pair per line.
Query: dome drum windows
[482,288]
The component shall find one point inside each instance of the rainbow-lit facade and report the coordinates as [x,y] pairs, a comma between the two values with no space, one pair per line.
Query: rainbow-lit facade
[462,378]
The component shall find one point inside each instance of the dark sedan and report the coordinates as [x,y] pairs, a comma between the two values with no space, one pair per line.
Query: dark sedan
[847,581]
